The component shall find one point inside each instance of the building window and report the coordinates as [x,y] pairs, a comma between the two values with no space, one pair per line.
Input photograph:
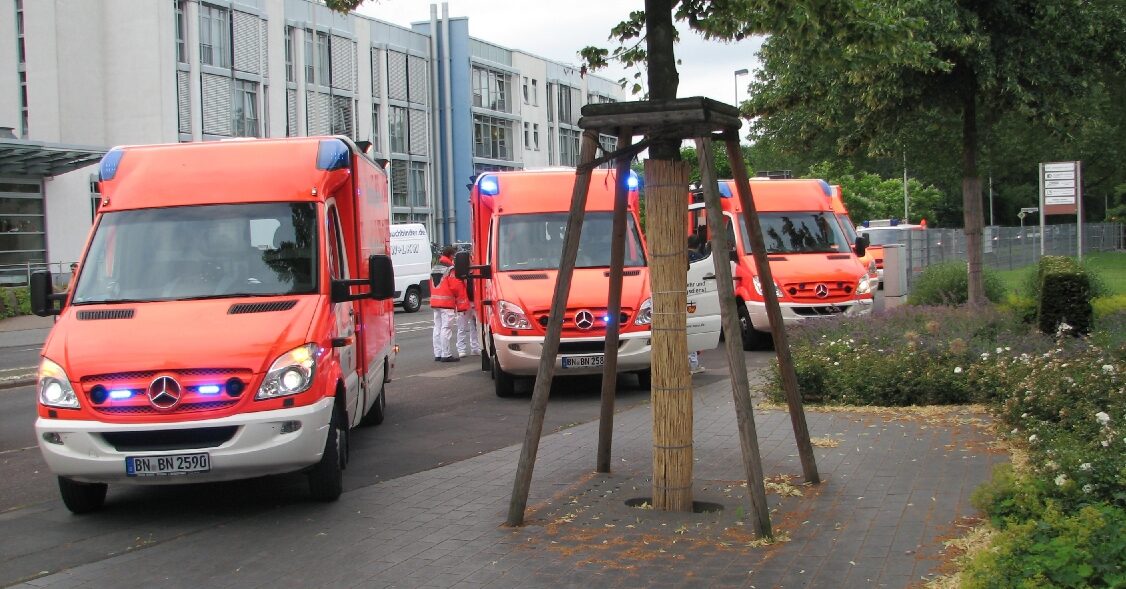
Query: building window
[525,89]
[324,62]
[181,34]
[550,104]
[23,104]
[535,93]
[527,136]
[244,109]
[418,195]
[290,73]
[490,90]
[309,67]
[492,138]
[342,116]
[536,136]
[21,55]
[565,114]
[95,196]
[397,128]
[400,177]
[375,145]
[568,147]
[214,36]
[22,235]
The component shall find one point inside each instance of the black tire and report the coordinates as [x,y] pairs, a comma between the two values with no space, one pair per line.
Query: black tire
[486,365]
[753,339]
[503,382]
[326,479]
[82,498]
[378,411]
[412,300]
[645,379]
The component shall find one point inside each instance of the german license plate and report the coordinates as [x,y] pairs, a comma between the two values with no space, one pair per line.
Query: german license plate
[147,466]
[583,361]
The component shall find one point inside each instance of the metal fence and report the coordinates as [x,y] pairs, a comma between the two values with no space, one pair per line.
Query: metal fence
[20,274]
[1008,248]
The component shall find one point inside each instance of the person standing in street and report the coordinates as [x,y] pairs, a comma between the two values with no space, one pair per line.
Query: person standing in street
[445,292]
[468,342]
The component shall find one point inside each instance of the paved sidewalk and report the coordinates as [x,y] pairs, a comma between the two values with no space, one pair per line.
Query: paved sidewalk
[22,332]
[894,487]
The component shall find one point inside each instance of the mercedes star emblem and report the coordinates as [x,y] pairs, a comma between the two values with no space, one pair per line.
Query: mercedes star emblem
[821,291]
[584,319]
[164,393]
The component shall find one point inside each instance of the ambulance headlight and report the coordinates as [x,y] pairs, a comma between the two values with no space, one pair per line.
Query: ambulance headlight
[645,313]
[758,287]
[864,286]
[291,373]
[512,316]
[54,386]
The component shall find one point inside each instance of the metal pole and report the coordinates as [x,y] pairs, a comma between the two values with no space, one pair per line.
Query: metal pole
[614,306]
[1079,209]
[991,200]
[550,349]
[905,218]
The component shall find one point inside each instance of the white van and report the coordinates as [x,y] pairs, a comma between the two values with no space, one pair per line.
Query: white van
[411,256]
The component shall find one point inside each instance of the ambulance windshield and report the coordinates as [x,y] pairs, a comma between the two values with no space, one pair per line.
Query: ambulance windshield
[799,232]
[211,251]
[535,241]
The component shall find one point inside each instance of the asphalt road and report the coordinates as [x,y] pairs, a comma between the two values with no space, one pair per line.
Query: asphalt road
[436,414]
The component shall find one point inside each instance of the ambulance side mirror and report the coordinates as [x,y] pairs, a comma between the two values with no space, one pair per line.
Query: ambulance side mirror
[381,277]
[861,245]
[464,270]
[43,296]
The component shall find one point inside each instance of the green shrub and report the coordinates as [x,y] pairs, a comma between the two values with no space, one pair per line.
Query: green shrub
[1108,305]
[14,301]
[1065,299]
[1086,548]
[948,284]
[1047,264]
[1020,305]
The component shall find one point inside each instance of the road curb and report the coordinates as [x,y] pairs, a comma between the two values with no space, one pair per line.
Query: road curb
[20,380]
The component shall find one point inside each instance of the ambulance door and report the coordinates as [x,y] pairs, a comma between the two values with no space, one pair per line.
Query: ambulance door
[704,322]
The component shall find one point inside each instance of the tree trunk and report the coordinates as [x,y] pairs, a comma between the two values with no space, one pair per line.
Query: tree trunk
[666,197]
[971,197]
[665,202]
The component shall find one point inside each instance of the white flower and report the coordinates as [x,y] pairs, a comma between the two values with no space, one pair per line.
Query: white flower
[1107,368]
[1106,443]
[1032,439]
[1014,432]
[1024,414]
[1102,418]
[1085,466]
[1088,488]
[1061,480]
[999,350]
[957,370]
[1051,465]
[836,363]
[985,355]
[1008,349]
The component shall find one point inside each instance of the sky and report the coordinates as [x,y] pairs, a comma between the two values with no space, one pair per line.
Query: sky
[558,30]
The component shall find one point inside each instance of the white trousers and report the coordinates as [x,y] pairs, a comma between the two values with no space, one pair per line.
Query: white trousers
[445,322]
[467,338]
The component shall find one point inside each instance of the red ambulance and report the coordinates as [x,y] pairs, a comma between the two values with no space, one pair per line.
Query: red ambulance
[232,317]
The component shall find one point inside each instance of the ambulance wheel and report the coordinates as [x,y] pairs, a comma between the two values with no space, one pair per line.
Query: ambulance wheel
[378,409]
[412,301]
[503,382]
[326,479]
[645,379]
[82,498]
[752,338]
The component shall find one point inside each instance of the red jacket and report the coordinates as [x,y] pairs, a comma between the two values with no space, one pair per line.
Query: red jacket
[446,290]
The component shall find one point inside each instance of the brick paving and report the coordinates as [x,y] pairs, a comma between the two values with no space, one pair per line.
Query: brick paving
[894,487]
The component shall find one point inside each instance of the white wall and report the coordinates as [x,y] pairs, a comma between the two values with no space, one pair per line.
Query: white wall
[535,68]
[68,213]
[9,79]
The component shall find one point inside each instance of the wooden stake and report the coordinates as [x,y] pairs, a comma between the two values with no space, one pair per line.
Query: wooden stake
[666,195]
[736,360]
[774,313]
[550,351]
[614,306]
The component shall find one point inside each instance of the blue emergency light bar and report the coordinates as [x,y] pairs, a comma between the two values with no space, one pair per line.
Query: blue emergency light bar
[488,185]
[107,169]
[332,154]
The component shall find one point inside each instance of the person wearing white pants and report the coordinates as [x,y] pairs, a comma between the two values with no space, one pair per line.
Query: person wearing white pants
[446,294]
[467,330]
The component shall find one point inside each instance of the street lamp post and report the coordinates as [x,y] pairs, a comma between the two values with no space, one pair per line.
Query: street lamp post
[738,73]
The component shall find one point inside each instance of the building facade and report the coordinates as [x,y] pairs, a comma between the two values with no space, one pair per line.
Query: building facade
[438,105]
